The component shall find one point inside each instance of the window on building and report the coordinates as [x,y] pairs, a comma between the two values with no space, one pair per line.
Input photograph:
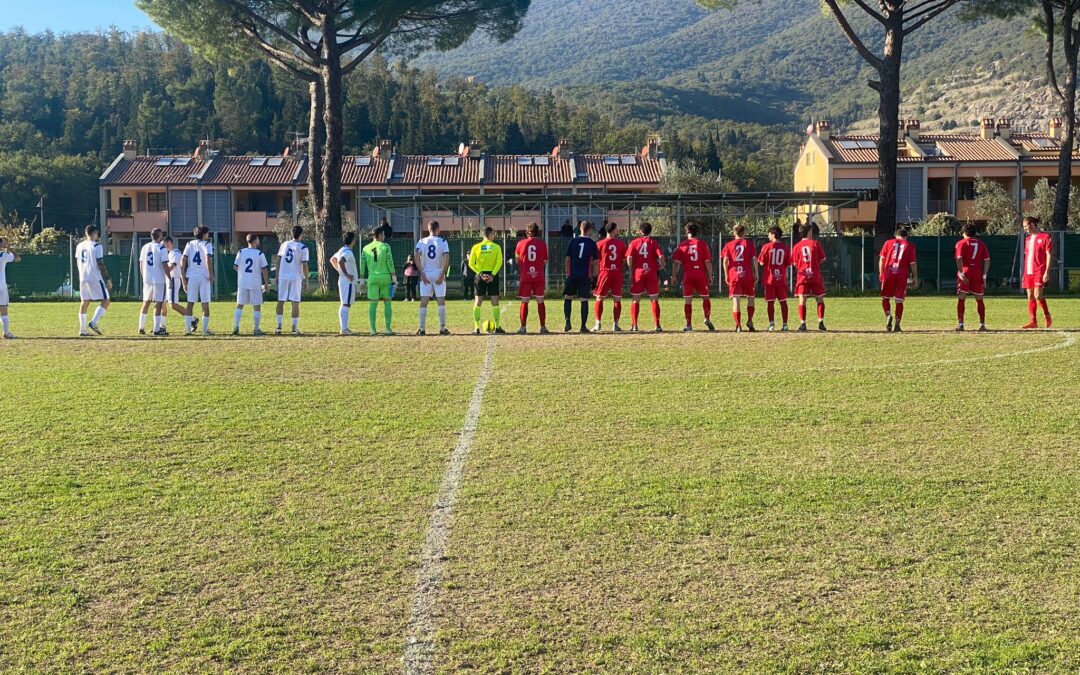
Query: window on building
[125,205]
[965,190]
[155,201]
[347,201]
[262,201]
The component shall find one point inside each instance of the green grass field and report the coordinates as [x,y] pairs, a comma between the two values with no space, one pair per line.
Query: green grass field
[847,502]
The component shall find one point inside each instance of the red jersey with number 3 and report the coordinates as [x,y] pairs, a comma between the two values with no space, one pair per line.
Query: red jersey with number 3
[612,253]
[899,256]
[775,258]
[739,254]
[808,256]
[693,254]
[645,255]
[533,255]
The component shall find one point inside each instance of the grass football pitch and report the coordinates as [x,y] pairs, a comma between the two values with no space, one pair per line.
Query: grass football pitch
[845,502]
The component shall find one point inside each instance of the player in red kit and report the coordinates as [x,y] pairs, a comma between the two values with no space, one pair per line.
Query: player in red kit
[807,256]
[609,283]
[775,259]
[1038,247]
[695,259]
[645,259]
[739,259]
[972,264]
[895,265]
[532,257]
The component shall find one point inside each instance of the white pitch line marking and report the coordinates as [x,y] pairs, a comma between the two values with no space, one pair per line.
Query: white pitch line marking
[420,646]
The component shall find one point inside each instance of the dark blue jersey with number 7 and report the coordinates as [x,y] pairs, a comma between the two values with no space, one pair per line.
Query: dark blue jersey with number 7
[581,251]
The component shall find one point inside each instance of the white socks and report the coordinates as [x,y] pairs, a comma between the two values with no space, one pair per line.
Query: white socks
[206,324]
[423,318]
[279,320]
[99,314]
[442,317]
[343,318]
[82,323]
[236,318]
[296,324]
[258,319]
[142,321]
[5,321]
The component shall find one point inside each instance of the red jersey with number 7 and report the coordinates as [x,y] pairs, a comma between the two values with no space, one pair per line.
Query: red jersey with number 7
[645,256]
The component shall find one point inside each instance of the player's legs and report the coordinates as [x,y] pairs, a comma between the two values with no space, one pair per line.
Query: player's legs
[295,316]
[496,313]
[440,300]
[820,298]
[83,307]
[280,313]
[750,313]
[426,291]
[899,312]
[1040,298]
[688,312]
[5,322]
[635,310]
[736,312]
[238,313]
[144,309]
[654,305]
[206,316]
[802,311]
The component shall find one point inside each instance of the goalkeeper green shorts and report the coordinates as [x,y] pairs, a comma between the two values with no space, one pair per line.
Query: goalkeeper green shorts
[378,287]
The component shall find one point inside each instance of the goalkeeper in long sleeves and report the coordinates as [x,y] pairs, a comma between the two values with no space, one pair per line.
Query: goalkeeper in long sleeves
[377,267]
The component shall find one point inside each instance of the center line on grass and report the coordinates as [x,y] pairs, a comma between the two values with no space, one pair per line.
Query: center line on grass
[420,646]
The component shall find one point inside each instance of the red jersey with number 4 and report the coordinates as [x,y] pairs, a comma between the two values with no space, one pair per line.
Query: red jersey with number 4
[972,253]
[899,256]
[693,254]
[775,258]
[645,256]
[612,253]
[808,256]
[739,254]
[1036,249]
[533,255]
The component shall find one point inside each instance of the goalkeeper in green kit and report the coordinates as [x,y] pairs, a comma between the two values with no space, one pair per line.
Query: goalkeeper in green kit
[377,267]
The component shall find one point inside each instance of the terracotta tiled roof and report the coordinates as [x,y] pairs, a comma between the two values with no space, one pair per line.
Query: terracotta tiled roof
[372,171]
[599,169]
[524,170]
[240,171]
[852,149]
[842,148]
[969,148]
[418,170]
[152,171]
[1039,146]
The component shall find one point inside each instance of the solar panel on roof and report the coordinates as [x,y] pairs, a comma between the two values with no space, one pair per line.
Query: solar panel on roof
[524,161]
[629,159]
[434,161]
[868,145]
[363,161]
[611,159]
[181,161]
[849,145]
[1043,142]
[542,161]
[451,161]
[164,161]
[257,161]
[275,161]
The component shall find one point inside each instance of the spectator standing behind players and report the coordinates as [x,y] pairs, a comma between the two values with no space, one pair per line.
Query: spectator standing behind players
[532,257]
[292,273]
[774,261]
[895,265]
[377,267]
[152,267]
[972,265]
[468,279]
[645,260]
[695,259]
[808,256]
[6,256]
[581,256]
[739,259]
[434,255]
[94,281]
[252,278]
[486,261]
[197,276]
[1037,251]
[609,283]
[412,280]
[344,261]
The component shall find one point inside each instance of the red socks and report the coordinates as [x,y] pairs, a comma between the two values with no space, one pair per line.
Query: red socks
[982,309]
[656,312]
[886,306]
[750,313]
[738,318]
[1045,309]
[688,312]
[598,310]
[541,309]
[635,312]
[524,313]
[706,306]
[802,313]
[1031,309]
[899,311]
[821,311]
[961,305]
[784,310]
[770,309]
[618,310]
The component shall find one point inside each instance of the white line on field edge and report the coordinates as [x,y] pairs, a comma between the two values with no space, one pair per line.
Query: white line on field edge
[420,646]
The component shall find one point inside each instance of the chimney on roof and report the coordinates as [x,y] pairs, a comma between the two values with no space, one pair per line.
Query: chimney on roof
[131,150]
[1004,128]
[651,151]
[202,152]
[1057,129]
[913,129]
[562,149]
[823,129]
[385,149]
[986,129]
[474,150]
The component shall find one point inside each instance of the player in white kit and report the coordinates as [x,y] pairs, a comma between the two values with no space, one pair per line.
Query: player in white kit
[6,256]
[197,266]
[94,281]
[152,266]
[173,282]
[344,261]
[432,254]
[292,274]
[252,277]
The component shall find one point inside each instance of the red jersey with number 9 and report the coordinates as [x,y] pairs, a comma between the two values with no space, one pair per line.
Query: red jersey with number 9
[645,255]
[612,253]
[808,256]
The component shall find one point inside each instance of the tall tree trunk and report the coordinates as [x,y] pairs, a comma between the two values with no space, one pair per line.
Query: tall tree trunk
[316,143]
[1060,220]
[888,87]
[331,77]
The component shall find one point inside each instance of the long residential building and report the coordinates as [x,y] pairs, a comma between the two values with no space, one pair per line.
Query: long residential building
[238,195]
[936,172]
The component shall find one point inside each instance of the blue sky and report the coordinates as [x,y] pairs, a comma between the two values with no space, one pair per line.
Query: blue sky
[71,15]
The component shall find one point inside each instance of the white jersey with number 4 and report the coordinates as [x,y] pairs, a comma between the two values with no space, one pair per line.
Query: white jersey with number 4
[198,254]
[88,253]
[429,252]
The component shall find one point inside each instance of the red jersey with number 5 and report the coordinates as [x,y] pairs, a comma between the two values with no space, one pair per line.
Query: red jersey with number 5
[775,258]
[612,253]
[645,256]
[739,254]
[693,254]
[808,256]
[532,253]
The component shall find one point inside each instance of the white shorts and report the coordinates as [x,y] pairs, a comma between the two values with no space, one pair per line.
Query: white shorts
[153,292]
[93,290]
[172,291]
[4,300]
[249,296]
[346,291]
[433,290]
[198,290]
[289,290]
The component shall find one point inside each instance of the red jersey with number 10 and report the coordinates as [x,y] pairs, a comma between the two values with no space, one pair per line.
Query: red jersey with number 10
[775,258]
[645,255]
[612,253]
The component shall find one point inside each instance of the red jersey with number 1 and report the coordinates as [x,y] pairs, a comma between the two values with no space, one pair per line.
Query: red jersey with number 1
[645,255]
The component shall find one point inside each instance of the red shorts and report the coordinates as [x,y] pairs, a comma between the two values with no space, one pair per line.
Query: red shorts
[775,291]
[695,284]
[741,288]
[1032,281]
[532,288]
[813,286]
[645,283]
[976,285]
[609,284]
[894,286]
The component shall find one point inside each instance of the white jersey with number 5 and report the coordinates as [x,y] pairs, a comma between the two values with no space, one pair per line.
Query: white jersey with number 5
[293,255]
